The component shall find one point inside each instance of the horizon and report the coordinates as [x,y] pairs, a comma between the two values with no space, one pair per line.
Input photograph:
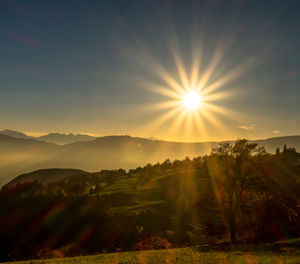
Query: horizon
[40,134]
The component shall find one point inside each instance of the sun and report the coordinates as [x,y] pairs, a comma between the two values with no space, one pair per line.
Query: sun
[192,100]
[190,105]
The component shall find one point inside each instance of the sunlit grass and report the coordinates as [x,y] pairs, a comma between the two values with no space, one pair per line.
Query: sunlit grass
[182,255]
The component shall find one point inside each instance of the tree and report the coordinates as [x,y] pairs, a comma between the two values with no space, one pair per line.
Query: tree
[167,164]
[232,170]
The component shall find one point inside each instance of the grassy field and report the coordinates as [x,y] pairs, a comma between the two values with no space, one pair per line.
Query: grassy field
[183,255]
[126,197]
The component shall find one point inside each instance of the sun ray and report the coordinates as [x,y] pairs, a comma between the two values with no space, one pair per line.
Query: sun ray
[162,105]
[196,64]
[220,110]
[164,75]
[172,83]
[187,129]
[181,71]
[216,96]
[200,124]
[212,119]
[232,75]
[174,48]
[195,71]
[194,95]
[163,119]
[178,121]
[167,92]
[210,69]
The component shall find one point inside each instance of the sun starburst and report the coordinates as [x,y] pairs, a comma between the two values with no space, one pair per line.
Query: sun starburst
[192,99]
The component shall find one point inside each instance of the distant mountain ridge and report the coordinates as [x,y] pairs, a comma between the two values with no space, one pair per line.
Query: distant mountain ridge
[57,138]
[19,155]
[65,138]
[16,134]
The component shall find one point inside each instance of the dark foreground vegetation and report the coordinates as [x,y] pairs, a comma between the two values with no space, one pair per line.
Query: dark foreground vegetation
[238,193]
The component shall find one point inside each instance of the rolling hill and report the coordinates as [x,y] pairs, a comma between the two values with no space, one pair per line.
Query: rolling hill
[20,155]
[47,175]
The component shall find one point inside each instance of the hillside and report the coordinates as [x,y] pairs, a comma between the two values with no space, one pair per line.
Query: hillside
[46,176]
[22,155]
[184,202]
[110,152]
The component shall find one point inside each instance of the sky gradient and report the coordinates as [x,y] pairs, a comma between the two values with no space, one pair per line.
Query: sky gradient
[94,66]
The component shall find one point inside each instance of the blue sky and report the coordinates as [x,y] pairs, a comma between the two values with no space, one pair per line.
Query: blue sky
[88,66]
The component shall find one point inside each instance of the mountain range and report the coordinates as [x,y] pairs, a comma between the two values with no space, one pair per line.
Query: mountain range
[58,138]
[26,154]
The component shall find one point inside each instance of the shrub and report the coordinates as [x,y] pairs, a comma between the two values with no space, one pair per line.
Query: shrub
[153,243]
[46,253]
[72,250]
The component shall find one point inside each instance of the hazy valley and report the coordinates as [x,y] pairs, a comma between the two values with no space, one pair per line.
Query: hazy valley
[22,155]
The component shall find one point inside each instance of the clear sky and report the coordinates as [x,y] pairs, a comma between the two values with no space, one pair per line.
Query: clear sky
[109,67]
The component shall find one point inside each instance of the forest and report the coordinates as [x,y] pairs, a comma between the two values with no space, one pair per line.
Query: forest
[239,193]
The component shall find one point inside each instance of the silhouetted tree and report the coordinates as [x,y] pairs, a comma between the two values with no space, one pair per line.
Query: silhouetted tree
[232,168]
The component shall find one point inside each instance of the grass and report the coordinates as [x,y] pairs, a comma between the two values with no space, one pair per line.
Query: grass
[128,209]
[178,255]
[141,192]
[182,255]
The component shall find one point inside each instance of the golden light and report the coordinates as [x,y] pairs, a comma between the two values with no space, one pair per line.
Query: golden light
[192,110]
[192,100]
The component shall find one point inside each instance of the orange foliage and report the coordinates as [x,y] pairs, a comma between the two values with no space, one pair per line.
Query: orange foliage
[153,243]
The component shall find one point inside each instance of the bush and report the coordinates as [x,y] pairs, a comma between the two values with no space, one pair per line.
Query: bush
[46,253]
[72,250]
[153,243]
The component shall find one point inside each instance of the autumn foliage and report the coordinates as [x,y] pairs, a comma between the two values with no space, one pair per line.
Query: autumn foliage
[153,243]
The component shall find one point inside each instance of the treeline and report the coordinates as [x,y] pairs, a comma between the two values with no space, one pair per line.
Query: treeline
[238,191]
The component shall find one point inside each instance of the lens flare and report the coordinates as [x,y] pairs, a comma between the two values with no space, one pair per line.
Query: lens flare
[192,91]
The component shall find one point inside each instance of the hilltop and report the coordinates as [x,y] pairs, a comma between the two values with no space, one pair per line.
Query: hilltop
[46,176]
